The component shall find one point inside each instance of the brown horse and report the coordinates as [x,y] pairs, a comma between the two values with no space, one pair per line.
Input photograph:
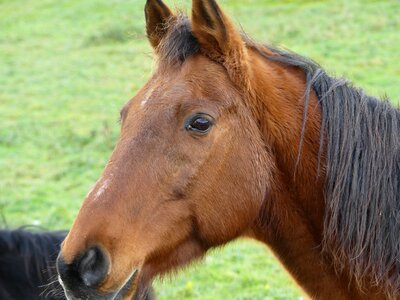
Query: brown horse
[231,138]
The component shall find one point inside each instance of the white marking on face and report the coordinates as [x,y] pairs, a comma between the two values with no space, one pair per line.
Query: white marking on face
[102,188]
[146,97]
[143,103]
[91,189]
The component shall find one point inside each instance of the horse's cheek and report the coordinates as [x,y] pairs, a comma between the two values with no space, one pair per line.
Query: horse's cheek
[237,198]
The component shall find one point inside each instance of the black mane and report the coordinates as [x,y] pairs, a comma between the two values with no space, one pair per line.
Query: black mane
[362,139]
[362,189]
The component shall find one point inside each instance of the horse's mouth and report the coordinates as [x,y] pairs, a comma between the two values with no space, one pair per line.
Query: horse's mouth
[128,289]
[128,286]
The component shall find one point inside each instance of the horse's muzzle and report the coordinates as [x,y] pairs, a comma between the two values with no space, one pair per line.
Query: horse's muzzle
[81,278]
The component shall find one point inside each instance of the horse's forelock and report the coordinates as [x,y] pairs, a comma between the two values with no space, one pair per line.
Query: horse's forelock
[179,42]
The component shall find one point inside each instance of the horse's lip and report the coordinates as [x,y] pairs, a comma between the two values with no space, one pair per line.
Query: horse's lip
[118,295]
[125,288]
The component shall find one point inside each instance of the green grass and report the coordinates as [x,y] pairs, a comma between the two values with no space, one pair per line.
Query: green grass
[67,66]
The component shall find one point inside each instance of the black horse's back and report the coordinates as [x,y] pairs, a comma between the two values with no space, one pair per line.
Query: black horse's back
[28,269]
[27,265]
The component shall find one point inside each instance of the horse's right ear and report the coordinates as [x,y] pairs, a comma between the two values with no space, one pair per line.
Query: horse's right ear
[157,16]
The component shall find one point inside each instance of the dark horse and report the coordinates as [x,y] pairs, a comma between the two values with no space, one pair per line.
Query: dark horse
[28,269]
[27,265]
[231,138]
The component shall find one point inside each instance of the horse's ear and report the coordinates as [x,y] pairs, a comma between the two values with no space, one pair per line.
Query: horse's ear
[213,29]
[218,37]
[157,16]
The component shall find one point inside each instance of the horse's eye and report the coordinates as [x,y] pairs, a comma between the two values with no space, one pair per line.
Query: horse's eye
[199,123]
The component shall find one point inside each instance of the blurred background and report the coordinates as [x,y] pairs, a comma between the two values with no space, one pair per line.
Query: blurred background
[67,67]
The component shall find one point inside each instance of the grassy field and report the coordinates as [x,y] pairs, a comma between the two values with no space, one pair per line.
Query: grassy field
[67,66]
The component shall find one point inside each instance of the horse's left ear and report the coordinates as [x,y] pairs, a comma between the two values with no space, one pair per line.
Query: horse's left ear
[219,39]
[157,16]
[217,35]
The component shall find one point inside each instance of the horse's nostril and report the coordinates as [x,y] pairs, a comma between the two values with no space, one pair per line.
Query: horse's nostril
[93,266]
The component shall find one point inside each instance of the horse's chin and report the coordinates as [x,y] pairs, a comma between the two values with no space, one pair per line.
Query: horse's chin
[130,288]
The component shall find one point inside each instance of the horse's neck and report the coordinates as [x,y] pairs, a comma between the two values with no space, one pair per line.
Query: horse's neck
[291,220]
[281,91]
[292,216]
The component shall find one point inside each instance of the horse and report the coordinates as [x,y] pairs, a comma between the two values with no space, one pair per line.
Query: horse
[231,138]
[27,266]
